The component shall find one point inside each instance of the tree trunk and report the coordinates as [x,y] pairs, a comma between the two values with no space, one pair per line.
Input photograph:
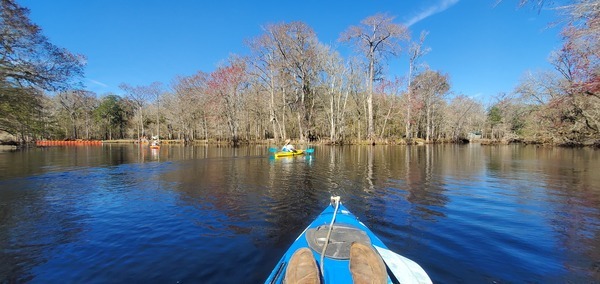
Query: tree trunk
[370,129]
[332,120]
[428,121]
[284,131]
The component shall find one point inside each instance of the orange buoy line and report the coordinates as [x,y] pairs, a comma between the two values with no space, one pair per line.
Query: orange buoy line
[67,143]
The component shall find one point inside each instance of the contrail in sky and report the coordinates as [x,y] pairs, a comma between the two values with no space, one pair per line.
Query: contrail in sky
[97,83]
[439,7]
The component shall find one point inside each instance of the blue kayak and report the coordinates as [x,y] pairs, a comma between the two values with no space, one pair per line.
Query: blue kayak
[330,247]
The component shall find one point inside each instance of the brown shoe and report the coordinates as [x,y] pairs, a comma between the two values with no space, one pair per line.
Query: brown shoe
[302,268]
[366,265]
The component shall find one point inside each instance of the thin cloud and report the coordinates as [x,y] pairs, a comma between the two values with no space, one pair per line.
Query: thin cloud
[476,95]
[432,10]
[97,83]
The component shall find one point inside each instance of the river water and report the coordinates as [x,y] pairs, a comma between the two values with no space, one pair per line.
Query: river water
[465,213]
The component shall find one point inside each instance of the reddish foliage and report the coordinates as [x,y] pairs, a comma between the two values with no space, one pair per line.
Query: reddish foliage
[579,61]
[225,80]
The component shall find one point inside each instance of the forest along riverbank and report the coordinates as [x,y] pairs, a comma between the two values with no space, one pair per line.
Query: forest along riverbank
[417,141]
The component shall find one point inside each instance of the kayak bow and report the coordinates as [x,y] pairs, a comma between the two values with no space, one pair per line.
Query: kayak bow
[330,237]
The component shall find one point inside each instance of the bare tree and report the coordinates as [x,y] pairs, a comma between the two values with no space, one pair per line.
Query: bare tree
[70,102]
[89,104]
[431,86]
[566,109]
[265,66]
[376,37]
[390,93]
[140,96]
[463,115]
[416,51]
[356,88]
[334,80]
[78,105]
[188,106]
[298,50]
[227,85]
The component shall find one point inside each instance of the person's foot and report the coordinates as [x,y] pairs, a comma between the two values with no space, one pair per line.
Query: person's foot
[302,268]
[366,265]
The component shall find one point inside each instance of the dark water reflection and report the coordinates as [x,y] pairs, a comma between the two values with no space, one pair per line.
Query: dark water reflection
[467,214]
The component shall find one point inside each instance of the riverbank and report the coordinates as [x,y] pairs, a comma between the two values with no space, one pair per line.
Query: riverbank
[401,141]
[417,141]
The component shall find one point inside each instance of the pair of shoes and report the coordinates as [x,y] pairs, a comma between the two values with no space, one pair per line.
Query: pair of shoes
[366,266]
[302,268]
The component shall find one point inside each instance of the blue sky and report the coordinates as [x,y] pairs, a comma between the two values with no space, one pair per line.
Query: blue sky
[485,48]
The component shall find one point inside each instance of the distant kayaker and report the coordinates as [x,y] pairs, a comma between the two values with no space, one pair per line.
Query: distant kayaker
[288,147]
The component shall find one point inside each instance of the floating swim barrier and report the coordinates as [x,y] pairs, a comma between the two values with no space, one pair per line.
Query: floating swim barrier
[67,142]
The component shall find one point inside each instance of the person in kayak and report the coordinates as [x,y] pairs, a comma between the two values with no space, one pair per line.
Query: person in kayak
[288,147]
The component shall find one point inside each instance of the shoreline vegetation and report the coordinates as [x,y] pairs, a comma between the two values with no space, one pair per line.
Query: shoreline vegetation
[271,142]
[290,85]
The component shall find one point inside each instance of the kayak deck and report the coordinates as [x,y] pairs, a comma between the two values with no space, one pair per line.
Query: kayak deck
[347,229]
[289,154]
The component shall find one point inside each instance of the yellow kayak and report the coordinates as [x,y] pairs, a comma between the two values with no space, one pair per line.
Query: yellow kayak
[289,154]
